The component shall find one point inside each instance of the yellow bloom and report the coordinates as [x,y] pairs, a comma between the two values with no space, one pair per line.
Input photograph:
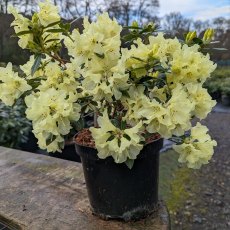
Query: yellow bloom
[56,77]
[196,149]
[11,85]
[201,98]
[20,24]
[96,56]
[56,143]
[51,112]
[179,110]
[48,13]
[188,65]
[26,68]
[112,141]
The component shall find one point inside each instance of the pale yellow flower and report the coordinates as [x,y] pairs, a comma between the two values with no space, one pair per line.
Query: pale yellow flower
[112,141]
[51,112]
[201,98]
[11,85]
[20,24]
[196,149]
[48,13]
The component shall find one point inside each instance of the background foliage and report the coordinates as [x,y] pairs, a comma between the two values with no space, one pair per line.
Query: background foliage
[125,11]
[14,126]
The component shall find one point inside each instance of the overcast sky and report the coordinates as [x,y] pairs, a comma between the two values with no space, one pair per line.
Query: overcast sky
[196,9]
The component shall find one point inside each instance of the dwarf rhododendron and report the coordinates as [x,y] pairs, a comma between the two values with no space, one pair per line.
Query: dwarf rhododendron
[153,86]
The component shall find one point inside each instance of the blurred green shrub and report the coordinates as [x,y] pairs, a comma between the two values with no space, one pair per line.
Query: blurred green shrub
[219,81]
[225,86]
[14,126]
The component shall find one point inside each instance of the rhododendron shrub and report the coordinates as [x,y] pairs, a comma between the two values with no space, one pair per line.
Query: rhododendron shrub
[154,86]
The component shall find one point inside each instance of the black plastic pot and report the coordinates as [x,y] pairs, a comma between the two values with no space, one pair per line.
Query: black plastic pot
[117,192]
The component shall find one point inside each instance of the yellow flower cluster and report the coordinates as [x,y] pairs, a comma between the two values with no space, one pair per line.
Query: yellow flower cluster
[197,149]
[201,98]
[167,118]
[112,141]
[26,68]
[11,85]
[186,64]
[51,112]
[59,78]
[96,52]
[47,15]
[20,24]
[53,107]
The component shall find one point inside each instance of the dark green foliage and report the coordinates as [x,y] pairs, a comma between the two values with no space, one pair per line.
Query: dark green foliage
[219,81]
[14,126]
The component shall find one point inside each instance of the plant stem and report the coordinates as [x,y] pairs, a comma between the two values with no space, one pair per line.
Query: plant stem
[95,118]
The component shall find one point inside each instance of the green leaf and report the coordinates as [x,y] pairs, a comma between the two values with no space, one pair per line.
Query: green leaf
[144,79]
[65,26]
[50,139]
[125,93]
[53,24]
[132,27]
[55,30]
[67,34]
[123,126]
[129,37]
[52,40]
[36,64]
[115,122]
[134,69]
[127,137]
[197,41]
[129,163]
[139,59]
[24,32]
[100,55]
[80,124]
[94,103]
[159,68]
[110,138]
[119,143]
[46,36]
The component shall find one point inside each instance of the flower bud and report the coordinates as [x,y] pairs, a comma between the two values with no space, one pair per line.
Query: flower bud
[135,24]
[208,35]
[190,36]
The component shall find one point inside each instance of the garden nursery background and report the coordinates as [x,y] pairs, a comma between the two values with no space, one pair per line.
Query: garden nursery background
[191,196]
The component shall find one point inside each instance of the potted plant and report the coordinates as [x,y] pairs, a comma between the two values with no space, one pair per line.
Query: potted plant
[138,95]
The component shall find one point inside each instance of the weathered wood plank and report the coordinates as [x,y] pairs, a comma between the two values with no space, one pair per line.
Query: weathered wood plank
[40,192]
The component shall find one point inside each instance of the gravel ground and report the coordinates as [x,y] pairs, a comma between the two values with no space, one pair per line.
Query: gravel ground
[208,205]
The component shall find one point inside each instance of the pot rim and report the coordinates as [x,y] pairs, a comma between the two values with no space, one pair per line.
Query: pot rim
[74,140]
